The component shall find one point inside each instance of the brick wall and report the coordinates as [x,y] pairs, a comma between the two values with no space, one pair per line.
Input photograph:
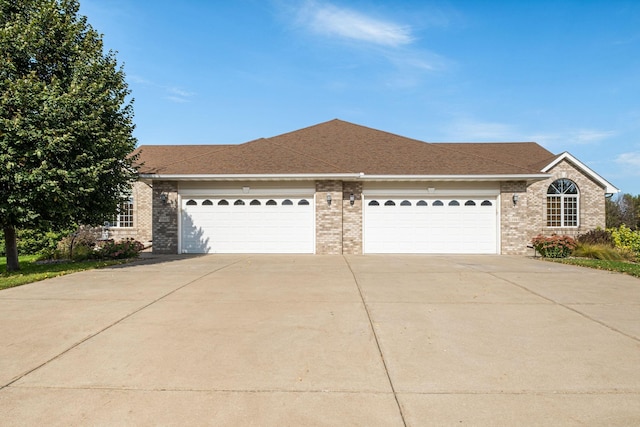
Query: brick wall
[527,219]
[165,217]
[329,218]
[513,217]
[352,218]
[141,230]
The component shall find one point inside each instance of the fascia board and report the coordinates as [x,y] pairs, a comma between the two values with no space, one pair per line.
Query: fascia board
[245,177]
[609,188]
[519,177]
[350,176]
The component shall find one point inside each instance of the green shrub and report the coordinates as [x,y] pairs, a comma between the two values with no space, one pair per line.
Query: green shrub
[34,241]
[554,246]
[625,238]
[128,248]
[596,237]
[598,251]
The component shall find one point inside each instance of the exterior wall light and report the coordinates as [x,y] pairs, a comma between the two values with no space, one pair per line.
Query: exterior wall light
[329,199]
[163,198]
[515,198]
[352,199]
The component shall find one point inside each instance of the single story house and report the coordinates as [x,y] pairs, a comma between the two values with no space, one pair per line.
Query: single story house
[341,188]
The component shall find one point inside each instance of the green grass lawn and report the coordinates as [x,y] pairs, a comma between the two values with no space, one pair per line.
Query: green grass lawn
[32,272]
[630,268]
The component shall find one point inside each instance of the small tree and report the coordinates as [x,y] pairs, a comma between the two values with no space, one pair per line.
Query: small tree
[65,124]
[623,210]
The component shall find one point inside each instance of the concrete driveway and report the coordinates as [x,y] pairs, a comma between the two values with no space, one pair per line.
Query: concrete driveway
[323,340]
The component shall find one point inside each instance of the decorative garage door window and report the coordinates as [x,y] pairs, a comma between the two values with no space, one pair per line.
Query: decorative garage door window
[247,225]
[430,225]
[562,204]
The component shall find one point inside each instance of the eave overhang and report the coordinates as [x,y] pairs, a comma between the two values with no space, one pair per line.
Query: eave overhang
[344,176]
[609,188]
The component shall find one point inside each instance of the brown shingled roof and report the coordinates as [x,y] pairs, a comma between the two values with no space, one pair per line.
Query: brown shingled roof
[341,147]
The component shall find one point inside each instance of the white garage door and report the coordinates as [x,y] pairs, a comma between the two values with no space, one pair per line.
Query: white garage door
[247,225]
[430,225]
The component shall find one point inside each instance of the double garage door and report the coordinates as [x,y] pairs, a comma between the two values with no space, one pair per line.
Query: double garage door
[390,225]
[430,225]
[247,225]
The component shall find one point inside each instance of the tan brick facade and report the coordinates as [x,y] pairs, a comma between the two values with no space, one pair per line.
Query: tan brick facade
[142,217]
[329,217]
[339,224]
[165,217]
[527,219]
[352,218]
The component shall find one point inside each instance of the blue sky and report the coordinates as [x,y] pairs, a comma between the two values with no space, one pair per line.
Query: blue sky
[565,74]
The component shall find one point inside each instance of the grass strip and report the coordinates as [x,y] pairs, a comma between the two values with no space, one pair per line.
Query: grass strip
[630,268]
[31,272]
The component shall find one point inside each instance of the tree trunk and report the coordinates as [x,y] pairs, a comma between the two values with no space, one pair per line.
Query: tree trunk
[11,246]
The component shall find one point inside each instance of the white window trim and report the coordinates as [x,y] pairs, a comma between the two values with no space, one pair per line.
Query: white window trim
[562,209]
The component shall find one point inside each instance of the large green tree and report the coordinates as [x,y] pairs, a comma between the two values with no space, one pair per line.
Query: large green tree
[65,121]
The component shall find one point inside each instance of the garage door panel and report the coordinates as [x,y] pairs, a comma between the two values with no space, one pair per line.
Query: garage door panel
[248,228]
[443,225]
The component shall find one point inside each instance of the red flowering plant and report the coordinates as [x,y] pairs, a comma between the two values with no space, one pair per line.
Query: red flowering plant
[128,248]
[554,246]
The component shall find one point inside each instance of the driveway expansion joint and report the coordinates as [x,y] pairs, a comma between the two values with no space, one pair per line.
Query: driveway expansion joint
[377,341]
[567,307]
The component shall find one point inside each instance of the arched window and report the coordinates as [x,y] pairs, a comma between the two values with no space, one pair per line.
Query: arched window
[374,203]
[454,203]
[562,203]
[207,203]
[223,202]
[255,202]
[192,203]
[389,203]
[438,203]
[239,202]
[271,202]
[303,202]
[486,203]
[287,202]
[405,203]
[469,203]
[421,203]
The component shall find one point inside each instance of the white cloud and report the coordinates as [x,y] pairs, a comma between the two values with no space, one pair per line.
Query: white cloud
[330,20]
[478,131]
[629,159]
[572,137]
[178,95]
[172,93]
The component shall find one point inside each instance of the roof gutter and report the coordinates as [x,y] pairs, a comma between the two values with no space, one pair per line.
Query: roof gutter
[343,176]
[252,177]
[509,177]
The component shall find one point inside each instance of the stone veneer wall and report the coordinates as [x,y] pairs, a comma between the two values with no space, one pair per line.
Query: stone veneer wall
[329,218]
[352,218]
[165,217]
[141,230]
[591,213]
[513,217]
[527,219]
